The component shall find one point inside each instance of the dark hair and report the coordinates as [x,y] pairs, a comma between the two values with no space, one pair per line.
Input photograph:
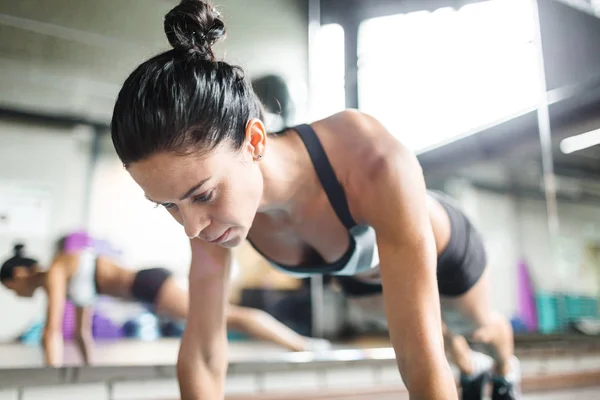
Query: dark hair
[183,100]
[17,260]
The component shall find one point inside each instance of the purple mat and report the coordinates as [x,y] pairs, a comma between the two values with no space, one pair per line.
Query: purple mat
[81,240]
[104,328]
[77,241]
[527,309]
[69,321]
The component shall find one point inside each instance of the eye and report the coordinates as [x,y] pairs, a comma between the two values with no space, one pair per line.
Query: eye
[165,205]
[204,197]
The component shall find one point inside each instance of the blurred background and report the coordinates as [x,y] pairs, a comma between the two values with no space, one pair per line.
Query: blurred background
[498,98]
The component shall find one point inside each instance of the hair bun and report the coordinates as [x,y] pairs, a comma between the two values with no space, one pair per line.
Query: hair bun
[194,27]
[18,249]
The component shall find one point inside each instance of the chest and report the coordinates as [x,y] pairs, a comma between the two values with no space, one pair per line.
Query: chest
[315,237]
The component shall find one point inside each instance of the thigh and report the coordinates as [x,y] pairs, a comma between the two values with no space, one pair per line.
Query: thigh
[465,313]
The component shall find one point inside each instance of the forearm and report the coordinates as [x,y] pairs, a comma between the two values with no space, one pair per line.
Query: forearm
[53,349]
[422,364]
[85,342]
[431,380]
[419,348]
[202,377]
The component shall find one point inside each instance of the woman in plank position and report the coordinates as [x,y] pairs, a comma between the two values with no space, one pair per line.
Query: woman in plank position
[340,196]
[82,276]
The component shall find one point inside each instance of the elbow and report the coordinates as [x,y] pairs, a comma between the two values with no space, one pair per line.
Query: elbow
[203,362]
[215,363]
[201,377]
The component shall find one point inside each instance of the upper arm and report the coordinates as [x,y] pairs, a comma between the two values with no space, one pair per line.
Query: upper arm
[56,288]
[393,200]
[391,195]
[398,212]
[208,277]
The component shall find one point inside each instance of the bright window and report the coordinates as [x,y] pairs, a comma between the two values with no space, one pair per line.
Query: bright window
[430,77]
[327,86]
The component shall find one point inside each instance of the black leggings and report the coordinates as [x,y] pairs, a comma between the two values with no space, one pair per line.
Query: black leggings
[147,284]
[459,267]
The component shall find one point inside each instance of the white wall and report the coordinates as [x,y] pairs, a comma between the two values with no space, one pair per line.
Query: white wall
[119,212]
[44,157]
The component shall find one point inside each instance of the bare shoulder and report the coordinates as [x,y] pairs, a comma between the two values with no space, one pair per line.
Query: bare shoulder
[59,272]
[364,154]
[361,139]
[64,264]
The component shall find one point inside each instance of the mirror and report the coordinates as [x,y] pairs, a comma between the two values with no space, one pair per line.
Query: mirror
[62,67]
[451,83]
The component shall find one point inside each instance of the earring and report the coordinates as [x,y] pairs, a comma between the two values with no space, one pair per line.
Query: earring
[260,156]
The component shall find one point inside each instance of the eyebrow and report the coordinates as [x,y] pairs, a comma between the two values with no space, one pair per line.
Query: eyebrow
[188,193]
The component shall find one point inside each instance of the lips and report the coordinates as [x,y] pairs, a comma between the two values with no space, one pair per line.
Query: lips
[221,238]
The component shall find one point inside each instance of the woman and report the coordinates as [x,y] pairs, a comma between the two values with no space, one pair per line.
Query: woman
[340,196]
[83,275]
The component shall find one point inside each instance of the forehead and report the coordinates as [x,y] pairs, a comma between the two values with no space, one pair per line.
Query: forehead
[166,176]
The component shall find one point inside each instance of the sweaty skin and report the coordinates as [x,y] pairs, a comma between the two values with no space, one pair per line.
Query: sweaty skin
[278,201]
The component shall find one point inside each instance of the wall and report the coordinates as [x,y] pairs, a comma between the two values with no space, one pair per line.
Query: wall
[41,157]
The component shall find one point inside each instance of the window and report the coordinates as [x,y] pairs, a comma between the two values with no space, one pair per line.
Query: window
[430,77]
[327,72]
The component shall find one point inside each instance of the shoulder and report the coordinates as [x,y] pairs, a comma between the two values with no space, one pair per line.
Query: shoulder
[64,264]
[364,140]
[368,159]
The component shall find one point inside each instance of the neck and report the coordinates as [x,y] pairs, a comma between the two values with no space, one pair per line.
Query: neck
[38,278]
[287,187]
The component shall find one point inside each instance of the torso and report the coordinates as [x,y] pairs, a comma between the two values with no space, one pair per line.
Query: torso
[113,280]
[316,235]
[105,277]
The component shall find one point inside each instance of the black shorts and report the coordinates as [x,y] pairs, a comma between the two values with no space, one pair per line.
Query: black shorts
[147,284]
[459,266]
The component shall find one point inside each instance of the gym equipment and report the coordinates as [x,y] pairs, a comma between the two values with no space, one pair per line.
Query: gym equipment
[104,328]
[171,328]
[34,334]
[68,321]
[143,327]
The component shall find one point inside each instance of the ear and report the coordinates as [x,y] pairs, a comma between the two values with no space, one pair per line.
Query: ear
[256,136]
[20,272]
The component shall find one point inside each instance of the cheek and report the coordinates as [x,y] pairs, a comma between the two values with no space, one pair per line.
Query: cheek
[250,191]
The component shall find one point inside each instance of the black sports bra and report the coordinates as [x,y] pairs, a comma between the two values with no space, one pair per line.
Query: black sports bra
[362,254]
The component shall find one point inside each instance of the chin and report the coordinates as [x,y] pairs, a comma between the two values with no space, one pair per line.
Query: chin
[233,242]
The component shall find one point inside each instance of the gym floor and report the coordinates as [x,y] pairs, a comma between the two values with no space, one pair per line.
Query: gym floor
[552,369]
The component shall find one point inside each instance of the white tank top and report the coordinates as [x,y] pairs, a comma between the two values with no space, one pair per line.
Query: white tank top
[81,288]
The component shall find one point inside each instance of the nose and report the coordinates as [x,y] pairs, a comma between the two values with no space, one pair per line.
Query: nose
[194,222]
